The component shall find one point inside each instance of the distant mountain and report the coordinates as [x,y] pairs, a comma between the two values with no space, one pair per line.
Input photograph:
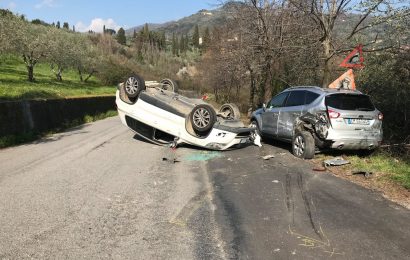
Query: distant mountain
[203,18]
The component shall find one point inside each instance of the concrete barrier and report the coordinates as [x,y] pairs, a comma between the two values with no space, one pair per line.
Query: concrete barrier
[37,116]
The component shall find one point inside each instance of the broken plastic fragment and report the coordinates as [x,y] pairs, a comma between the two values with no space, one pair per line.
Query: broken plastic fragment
[267,157]
[256,139]
[337,161]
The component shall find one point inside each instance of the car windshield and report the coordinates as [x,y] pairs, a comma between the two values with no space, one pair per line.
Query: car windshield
[350,102]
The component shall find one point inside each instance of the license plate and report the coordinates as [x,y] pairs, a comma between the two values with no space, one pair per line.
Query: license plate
[357,121]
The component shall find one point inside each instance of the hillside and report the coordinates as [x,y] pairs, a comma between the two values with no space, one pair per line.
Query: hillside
[211,18]
[203,18]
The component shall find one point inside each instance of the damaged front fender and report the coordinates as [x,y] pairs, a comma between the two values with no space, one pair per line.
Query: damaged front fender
[315,123]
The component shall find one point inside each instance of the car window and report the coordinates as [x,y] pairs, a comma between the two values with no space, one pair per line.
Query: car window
[310,97]
[278,100]
[296,98]
[350,102]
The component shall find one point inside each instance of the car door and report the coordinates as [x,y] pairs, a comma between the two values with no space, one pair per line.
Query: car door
[271,114]
[291,110]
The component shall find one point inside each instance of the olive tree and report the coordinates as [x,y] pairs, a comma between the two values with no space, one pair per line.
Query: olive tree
[9,25]
[86,58]
[62,51]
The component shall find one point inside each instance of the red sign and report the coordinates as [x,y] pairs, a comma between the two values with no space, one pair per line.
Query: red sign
[355,59]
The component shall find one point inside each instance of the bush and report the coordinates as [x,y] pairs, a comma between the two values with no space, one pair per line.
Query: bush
[114,71]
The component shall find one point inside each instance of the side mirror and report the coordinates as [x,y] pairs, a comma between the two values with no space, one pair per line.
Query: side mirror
[264,106]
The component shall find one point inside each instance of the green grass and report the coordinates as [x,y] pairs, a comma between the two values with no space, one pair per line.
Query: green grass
[12,140]
[388,166]
[15,86]
[394,168]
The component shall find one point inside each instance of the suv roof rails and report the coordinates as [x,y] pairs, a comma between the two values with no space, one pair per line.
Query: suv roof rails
[295,87]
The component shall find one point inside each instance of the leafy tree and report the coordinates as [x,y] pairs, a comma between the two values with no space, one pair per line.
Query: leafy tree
[121,36]
[9,26]
[33,45]
[40,22]
[174,44]
[145,32]
[195,37]
[58,25]
[62,51]
[86,58]
[181,44]
[207,38]
[66,26]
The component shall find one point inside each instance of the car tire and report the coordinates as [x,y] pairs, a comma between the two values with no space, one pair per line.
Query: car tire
[303,145]
[230,111]
[170,85]
[133,86]
[203,117]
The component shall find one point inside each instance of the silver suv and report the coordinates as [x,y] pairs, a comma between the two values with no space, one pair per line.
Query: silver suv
[314,118]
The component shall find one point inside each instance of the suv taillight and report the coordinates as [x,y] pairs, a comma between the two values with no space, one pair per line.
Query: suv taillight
[380,116]
[333,114]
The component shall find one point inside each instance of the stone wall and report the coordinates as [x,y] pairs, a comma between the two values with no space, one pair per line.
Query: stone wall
[36,116]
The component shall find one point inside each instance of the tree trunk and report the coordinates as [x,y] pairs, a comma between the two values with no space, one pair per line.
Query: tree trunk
[58,74]
[251,102]
[30,72]
[327,66]
[80,73]
[265,92]
[89,75]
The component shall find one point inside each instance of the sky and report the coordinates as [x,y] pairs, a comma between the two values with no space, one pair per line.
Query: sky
[93,14]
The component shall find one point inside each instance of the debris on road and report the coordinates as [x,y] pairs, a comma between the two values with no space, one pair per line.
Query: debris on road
[174,160]
[275,181]
[202,156]
[337,161]
[267,157]
[364,173]
[256,139]
[319,169]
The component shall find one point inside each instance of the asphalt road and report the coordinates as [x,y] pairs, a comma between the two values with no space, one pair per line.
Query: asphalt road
[97,192]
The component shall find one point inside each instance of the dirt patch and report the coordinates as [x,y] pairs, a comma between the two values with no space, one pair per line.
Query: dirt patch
[375,181]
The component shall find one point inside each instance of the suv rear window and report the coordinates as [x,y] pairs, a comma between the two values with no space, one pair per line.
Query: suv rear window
[350,102]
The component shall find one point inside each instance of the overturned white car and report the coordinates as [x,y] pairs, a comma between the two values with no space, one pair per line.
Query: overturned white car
[158,114]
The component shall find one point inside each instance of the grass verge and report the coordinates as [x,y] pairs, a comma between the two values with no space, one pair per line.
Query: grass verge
[389,174]
[385,165]
[15,86]
[397,169]
[12,140]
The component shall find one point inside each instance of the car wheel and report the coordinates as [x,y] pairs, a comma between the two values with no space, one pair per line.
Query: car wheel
[170,85]
[134,85]
[230,111]
[303,145]
[203,118]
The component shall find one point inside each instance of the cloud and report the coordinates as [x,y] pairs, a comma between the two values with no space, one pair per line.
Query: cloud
[97,25]
[45,3]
